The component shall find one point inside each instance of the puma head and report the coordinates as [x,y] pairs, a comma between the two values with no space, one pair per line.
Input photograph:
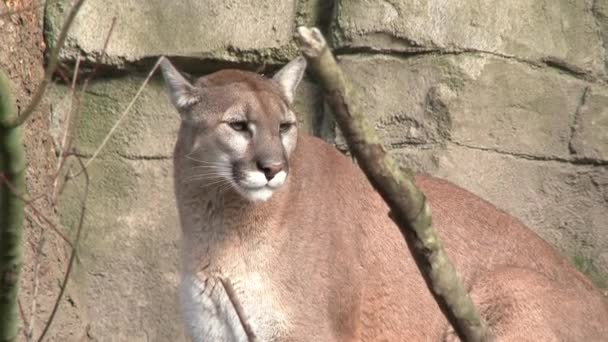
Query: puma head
[238,128]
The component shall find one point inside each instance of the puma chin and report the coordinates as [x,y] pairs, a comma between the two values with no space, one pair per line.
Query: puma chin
[254,186]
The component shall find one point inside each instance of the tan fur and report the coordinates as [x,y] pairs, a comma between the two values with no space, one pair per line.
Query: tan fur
[321,261]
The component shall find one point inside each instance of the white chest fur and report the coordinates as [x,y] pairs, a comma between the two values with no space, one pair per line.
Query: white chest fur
[210,315]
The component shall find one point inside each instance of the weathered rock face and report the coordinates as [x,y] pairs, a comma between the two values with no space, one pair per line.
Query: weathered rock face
[505,99]
[562,32]
[257,31]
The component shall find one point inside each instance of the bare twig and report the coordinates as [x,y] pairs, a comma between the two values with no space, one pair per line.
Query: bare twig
[66,130]
[30,326]
[48,74]
[408,205]
[73,253]
[124,113]
[238,308]
[104,49]
[23,319]
[66,144]
[16,193]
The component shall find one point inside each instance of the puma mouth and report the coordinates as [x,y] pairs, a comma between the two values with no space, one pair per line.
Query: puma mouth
[254,186]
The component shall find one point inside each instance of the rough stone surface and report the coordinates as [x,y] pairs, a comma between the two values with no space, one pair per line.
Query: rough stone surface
[148,130]
[225,30]
[403,114]
[478,101]
[508,106]
[128,271]
[560,31]
[590,139]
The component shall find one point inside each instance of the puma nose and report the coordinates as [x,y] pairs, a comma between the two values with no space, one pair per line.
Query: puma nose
[271,169]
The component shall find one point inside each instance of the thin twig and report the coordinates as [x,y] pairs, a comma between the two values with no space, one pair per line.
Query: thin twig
[48,75]
[238,308]
[23,319]
[73,253]
[33,209]
[66,143]
[124,113]
[30,329]
[104,49]
[66,130]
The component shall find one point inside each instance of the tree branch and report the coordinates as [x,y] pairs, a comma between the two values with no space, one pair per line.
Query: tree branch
[236,304]
[407,203]
[68,271]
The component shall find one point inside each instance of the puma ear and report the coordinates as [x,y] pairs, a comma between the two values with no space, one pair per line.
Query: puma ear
[290,76]
[182,93]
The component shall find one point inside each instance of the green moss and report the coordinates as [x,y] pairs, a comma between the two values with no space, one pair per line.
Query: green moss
[110,193]
[586,265]
[53,18]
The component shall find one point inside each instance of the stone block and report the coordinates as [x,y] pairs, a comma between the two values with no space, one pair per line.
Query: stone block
[478,101]
[128,260]
[237,30]
[511,107]
[562,32]
[148,130]
[402,96]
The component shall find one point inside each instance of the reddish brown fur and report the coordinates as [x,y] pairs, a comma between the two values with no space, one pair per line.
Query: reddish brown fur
[340,268]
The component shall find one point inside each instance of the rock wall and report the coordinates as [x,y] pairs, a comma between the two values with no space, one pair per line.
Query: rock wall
[507,99]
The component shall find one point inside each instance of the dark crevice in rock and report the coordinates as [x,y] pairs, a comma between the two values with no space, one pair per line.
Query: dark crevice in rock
[576,121]
[265,61]
[130,156]
[127,156]
[406,52]
[411,52]
[321,14]
[422,145]
[201,66]
[318,13]
[574,161]
[326,15]
[567,68]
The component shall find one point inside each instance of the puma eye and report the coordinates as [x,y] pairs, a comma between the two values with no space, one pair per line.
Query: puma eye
[285,127]
[239,126]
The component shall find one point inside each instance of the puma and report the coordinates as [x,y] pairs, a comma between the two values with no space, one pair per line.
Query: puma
[308,245]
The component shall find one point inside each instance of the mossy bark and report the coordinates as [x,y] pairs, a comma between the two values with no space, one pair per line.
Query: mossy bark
[408,205]
[12,185]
